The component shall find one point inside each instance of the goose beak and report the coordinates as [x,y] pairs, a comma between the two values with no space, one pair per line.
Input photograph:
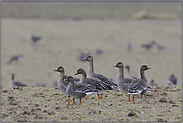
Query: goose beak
[114,66]
[84,58]
[149,68]
[54,70]
[64,79]
[76,74]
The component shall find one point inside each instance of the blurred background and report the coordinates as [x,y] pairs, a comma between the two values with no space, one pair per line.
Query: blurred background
[52,34]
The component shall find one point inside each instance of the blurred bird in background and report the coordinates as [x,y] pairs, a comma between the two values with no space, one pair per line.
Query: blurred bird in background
[15,59]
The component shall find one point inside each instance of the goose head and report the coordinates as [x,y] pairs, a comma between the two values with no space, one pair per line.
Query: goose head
[80,71]
[59,69]
[88,58]
[144,67]
[69,79]
[119,65]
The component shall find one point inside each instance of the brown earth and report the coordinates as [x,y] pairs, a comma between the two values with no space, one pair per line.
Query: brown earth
[39,104]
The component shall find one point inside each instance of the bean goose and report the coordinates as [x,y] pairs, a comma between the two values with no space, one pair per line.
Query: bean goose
[98,76]
[79,90]
[122,82]
[139,86]
[62,85]
[15,58]
[128,72]
[172,80]
[97,84]
[15,83]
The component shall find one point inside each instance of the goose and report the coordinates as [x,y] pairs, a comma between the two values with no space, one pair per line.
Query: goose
[128,72]
[97,84]
[98,76]
[62,85]
[123,82]
[139,86]
[172,80]
[35,39]
[148,46]
[15,58]
[79,90]
[16,83]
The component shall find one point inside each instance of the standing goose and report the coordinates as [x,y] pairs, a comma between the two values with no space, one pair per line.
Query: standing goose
[97,84]
[62,85]
[172,80]
[128,72]
[148,46]
[16,83]
[122,82]
[139,86]
[98,76]
[79,90]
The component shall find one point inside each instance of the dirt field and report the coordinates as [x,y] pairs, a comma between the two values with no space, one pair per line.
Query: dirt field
[47,105]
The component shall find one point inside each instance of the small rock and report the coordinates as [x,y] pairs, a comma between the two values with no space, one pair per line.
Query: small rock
[21,120]
[171,102]
[3,115]
[10,97]
[131,114]
[48,100]
[5,91]
[13,103]
[38,117]
[45,111]
[92,112]
[161,120]
[174,105]
[40,93]
[162,100]
[38,109]
[36,105]
[57,108]
[51,113]
[110,104]
[26,112]
[64,118]
[163,93]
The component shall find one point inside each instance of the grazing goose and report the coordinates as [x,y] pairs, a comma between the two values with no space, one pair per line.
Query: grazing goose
[139,86]
[148,46]
[123,83]
[62,85]
[172,80]
[35,39]
[15,83]
[97,84]
[98,52]
[98,76]
[79,90]
[153,83]
[15,58]
[128,72]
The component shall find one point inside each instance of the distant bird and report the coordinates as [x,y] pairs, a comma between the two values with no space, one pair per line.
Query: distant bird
[36,39]
[153,83]
[15,83]
[129,46]
[15,58]
[128,72]
[173,80]
[84,54]
[139,86]
[148,46]
[79,90]
[38,85]
[98,52]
